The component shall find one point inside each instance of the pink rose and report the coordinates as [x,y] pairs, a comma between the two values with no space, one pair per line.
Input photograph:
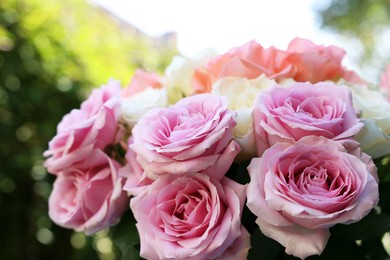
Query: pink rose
[88,197]
[193,135]
[385,81]
[316,63]
[287,114]
[297,191]
[191,217]
[136,179]
[93,126]
[141,81]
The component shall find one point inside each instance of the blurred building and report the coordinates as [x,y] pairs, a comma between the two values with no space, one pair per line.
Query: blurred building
[167,41]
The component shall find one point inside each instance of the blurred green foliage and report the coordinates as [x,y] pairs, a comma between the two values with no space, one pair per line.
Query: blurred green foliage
[51,54]
[366,22]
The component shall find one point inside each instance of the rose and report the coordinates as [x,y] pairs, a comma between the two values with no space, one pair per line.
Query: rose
[141,81]
[247,61]
[242,93]
[88,197]
[287,114]
[93,126]
[191,217]
[193,135]
[144,93]
[136,179]
[297,191]
[316,63]
[385,81]
[134,107]
[375,135]
[302,61]
[179,73]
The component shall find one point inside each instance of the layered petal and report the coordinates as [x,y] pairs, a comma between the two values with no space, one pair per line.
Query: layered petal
[191,217]
[193,135]
[93,126]
[88,197]
[299,190]
[287,114]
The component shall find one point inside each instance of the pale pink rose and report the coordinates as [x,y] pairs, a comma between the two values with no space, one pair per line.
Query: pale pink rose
[287,114]
[191,217]
[136,179]
[239,249]
[385,81]
[298,191]
[193,135]
[144,93]
[141,81]
[88,197]
[316,63]
[249,61]
[93,126]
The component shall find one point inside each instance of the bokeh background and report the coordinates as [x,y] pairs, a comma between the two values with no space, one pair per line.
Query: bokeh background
[52,53]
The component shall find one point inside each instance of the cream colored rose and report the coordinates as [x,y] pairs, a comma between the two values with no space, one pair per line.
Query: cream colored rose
[179,74]
[374,108]
[242,93]
[135,106]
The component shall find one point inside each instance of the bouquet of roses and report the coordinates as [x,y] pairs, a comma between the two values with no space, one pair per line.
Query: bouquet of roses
[257,148]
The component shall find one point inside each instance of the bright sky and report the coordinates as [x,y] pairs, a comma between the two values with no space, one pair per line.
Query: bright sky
[222,24]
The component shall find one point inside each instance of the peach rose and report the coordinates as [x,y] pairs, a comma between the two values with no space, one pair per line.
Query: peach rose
[249,61]
[302,61]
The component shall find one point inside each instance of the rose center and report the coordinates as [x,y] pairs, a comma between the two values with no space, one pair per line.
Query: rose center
[187,205]
[315,177]
[310,108]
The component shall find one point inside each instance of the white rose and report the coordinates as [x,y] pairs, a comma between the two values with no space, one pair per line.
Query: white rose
[242,94]
[179,74]
[374,137]
[135,106]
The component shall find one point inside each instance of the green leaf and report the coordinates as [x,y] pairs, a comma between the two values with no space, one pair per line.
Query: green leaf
[125,237]
[383,165]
